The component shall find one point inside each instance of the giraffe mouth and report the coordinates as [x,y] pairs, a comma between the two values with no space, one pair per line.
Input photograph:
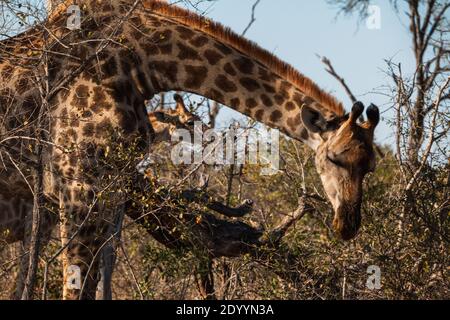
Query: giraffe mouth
[347,221]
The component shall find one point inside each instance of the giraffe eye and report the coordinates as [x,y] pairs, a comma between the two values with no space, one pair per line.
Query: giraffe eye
[335,161]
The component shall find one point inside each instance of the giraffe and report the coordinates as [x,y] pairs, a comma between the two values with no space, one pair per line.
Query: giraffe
[128,51]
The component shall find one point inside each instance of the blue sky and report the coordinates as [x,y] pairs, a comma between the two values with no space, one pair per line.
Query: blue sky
[297,30]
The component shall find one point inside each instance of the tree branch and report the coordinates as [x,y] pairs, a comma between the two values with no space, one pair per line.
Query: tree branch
[252,18]
[330,69]
[431,139]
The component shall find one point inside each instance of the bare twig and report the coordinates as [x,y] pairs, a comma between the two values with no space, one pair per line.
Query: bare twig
[432,137]
[330,70]
[252,18]
[133,274]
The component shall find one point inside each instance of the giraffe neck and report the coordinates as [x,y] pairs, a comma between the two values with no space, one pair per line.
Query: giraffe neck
[160,51]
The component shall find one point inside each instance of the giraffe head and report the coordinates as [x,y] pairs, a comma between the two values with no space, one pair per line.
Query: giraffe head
[165,122]
[344,155]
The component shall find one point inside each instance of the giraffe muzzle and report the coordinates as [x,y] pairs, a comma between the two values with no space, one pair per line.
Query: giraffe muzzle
[347,221]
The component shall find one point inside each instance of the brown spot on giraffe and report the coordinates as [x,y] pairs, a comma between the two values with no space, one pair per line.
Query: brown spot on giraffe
[159,43]
[223,48]
[121,91]
[161,36]
[223,83]
[64,118]
[294,122]
[251,103]
[187,53]
[168,68]
[269,88]
[89,129]
[103,128]
[215,94]
[250,84]
[99,102]
[285,88]
[72,134]
[199,41]
[289,106]
[276,116]
[279,99]
[235,102]
[213,56]
[128,59]
[266,75]
[165,49]
[127,120]
[308,100]
[244,65]
[266,100]
[259,115]
[185,33]
[229,69]
[196,76]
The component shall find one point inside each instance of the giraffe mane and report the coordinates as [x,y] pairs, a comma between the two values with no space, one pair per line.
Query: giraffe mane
[250,48]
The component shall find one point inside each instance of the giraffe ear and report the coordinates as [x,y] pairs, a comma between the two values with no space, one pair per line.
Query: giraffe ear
[313,120]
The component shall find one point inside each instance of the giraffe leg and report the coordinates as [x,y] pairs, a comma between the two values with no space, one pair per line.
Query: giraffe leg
[89,226]
[80,261]
[84,226]
[16,204]
[104,289]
